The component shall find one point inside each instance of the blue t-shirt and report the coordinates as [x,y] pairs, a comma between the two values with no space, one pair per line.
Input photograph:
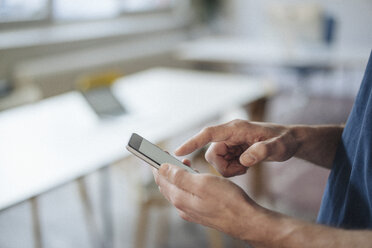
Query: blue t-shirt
[347,200]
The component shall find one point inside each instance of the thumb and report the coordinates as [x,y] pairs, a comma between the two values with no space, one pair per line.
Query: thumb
[255,153]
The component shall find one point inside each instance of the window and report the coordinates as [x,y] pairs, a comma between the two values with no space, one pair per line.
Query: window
[62,10]
[84,9]
[143,5]
[23,10]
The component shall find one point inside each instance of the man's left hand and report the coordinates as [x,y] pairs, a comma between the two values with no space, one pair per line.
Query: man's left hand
[208,200]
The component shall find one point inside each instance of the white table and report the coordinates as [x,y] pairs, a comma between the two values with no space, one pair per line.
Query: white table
[245,51]
[60,139]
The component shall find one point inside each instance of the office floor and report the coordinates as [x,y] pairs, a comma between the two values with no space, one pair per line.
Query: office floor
[294,187]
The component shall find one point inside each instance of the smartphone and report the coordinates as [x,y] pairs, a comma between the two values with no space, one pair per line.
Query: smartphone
[152,154]
[103,102]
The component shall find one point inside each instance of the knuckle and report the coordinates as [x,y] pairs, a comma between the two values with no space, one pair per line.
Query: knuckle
[280,147]
[184,216]
[242,171]
[203,183]
[209,156]
[237,123]
[224,171]
[264,149]
[208,131]
[156,178]
[280,144]
[178,176]
[234,123]
[177,201]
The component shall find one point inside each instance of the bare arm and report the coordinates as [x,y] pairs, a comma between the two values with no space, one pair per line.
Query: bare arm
[218,203]
[239,144]
[277,230]
[317,144]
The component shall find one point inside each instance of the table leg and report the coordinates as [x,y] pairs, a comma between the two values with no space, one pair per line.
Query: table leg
[237,243]
[256,110]
[205,66]
[106,207]
[90,219]
[36,227]
[214,238]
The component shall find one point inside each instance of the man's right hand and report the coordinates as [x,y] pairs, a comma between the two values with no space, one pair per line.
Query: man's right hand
[240,144]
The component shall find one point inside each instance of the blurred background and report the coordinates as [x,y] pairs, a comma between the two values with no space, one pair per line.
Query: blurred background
[312,52]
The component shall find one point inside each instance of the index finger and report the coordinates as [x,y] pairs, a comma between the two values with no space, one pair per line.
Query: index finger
[208,134]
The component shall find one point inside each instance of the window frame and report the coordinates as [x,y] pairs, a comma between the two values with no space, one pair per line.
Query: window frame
[46,19]
[49,19]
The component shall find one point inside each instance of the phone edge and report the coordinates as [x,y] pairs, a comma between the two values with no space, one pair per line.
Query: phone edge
[143,157]
[151,162]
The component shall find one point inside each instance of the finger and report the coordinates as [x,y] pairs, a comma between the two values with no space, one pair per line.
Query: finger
[259,152]
[186,162]
[216,151]
[184,215]
[180,198]
[217,156]
[209,134]
[180,177]
[156,175]
[190,217]
[233,168]
[166,196]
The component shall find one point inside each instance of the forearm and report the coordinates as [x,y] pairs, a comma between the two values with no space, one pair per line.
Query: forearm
[277,230]
[317,144]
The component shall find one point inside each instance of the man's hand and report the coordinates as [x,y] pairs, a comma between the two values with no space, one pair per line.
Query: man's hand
[240,144]
[218,203]
[208,200]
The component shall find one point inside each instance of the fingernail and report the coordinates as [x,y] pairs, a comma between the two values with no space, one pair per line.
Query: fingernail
[249,159]
[177,151]
[164,167]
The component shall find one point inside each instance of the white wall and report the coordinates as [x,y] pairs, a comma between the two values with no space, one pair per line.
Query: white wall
[248,17]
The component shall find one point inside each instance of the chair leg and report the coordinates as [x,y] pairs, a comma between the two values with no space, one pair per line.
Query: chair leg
[106,207]
[141,232]
[36,227]
[162,226]
[96,240]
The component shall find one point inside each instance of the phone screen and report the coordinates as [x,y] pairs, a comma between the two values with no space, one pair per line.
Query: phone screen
[104,103]
[154,153]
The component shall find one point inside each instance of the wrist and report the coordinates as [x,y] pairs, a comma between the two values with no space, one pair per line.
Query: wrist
[257,224]
[270,229]
[317,144]
[300,135]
